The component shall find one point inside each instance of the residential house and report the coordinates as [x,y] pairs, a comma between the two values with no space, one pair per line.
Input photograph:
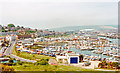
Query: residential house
[23,36]
[11,37]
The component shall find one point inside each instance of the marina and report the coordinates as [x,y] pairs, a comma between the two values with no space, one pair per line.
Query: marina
[89,49]
[59,36]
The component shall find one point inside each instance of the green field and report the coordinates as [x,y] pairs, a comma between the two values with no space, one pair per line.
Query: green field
[34,67]
[28,56]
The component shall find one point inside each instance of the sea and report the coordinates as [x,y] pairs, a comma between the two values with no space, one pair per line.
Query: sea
[81,27]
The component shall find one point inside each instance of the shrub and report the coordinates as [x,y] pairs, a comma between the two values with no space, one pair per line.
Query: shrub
[10,60]
[100,65]
[10,64]
[115,64]
[20,63]
[43,62]
[8,56]
[26,65]
[5,64]
[7,68]
[14,64]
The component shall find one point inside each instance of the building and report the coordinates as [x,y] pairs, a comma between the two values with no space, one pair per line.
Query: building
[41,39]
[73,58]
[2,39]
[0,27]
[26,41]
[11,37]
[70,58]
[62,59]
[23,36]
[9,33]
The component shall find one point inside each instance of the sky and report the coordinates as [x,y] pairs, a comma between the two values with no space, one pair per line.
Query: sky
[46,14]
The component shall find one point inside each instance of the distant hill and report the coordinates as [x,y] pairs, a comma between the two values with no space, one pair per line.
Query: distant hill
[77,28]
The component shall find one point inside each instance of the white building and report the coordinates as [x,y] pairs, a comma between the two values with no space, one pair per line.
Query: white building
[39,39]
[26,41]
[70,58]
[62,59]
[11,37]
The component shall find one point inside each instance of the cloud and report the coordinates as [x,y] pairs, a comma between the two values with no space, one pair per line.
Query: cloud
[51,14]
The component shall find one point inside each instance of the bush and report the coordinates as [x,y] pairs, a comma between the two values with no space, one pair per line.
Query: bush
[42,62]
[115,64]
[14,64]
[10,60]
[26,65]
[100,65]
[109,65]
[20,63]
[7,68]
[8,56]
[10,64]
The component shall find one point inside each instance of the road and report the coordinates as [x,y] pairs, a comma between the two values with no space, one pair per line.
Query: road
[22,59]
[9,51]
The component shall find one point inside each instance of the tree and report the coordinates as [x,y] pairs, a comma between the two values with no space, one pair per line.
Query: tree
[81,58]
[22,27]
[115,64]
[3,28]
[18,27]
[10,60]
[7,68]
[104,64]
[3,45]
[11,25]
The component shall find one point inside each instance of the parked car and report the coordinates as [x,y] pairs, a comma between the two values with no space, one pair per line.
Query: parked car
[41,53]
[53,55]
[87,63]
[50,55]
[93,59]
[53,64]
[46,54]
[34,52]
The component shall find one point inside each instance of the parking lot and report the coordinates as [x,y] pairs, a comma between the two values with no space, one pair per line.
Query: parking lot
[93,65]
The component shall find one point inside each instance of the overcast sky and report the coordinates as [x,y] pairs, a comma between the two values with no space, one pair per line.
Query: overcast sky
[44,14]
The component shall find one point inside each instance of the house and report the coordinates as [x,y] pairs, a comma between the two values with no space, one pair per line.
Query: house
[9,33]
[23,36]
[41,39]
[2,39]
[26,41]
[93,37]
[0,27]
[21,31]
[62,59]
[11,37]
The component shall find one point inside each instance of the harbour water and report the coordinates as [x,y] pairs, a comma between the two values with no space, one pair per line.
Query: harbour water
[14,61]
[88,52]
